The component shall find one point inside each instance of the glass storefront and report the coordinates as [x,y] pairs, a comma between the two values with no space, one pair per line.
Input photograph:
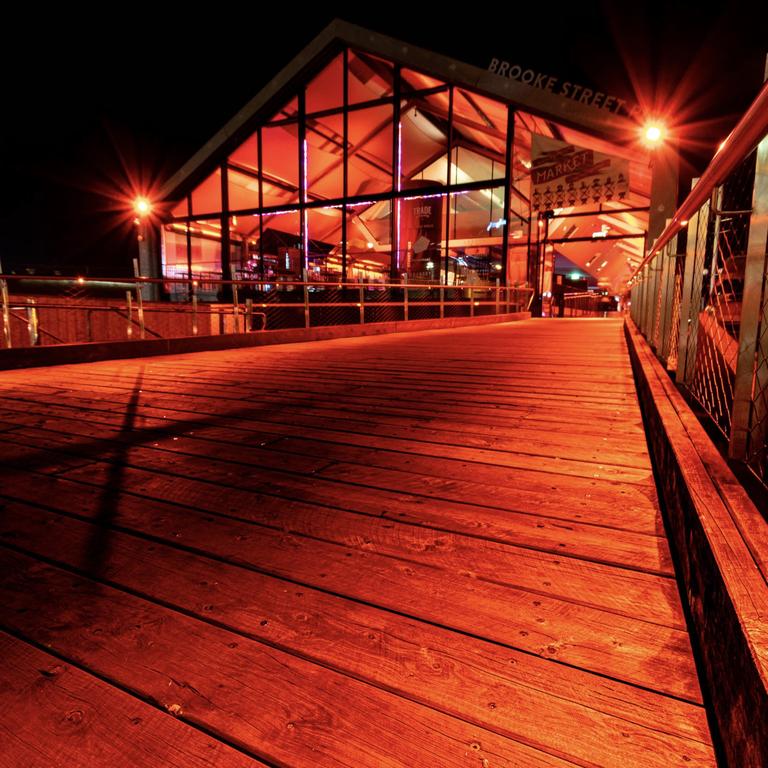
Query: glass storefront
[371,173]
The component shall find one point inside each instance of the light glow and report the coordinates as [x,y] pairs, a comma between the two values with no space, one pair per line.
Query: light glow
[142,206]
[653,134]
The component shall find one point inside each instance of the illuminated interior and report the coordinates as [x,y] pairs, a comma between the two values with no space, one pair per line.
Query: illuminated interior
[374,172]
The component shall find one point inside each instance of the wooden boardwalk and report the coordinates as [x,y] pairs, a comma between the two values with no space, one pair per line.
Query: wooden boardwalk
[431,549]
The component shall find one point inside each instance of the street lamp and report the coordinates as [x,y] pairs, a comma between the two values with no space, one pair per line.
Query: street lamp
[142,206]
[142,266]
[653,134]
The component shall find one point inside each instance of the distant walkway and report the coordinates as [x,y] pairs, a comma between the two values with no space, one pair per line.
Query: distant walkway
[429,550]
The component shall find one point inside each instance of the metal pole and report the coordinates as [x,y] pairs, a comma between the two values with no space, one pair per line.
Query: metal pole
[6,314]
[32,325]
[405,297]
[442,302]
[471,302]
[129,313]
[749,410]
[194,309]
[248,315]
[306,298]
[498,297]
[140,310]
[235,308]
[361,304]
[684,342]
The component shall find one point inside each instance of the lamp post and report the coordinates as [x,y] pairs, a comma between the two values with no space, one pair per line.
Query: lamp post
[144,265]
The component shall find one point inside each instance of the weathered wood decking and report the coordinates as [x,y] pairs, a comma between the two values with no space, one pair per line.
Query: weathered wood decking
[429,549]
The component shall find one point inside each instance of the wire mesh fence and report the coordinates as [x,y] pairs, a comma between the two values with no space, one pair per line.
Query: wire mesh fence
[704,310]
[42,311]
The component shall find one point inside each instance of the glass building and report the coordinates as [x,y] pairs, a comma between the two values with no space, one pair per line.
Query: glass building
[368,160]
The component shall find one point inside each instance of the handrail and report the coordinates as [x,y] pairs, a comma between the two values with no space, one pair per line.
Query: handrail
[137,281]
[747,134]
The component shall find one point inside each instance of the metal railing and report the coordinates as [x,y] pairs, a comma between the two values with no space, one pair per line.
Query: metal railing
[704,308]
[587,304]
[55,310]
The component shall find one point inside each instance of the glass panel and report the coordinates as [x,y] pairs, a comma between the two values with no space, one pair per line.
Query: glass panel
[326,91]
[243,190]
[244,237]
[180,210]
[424,138]
[206,248]
[206,198]
[283,258]
[417,81]
[370,150]
[369,78]
[246,156]
[324,246]
[290,110]
[422,220]
[475,255]
[174,250]
[521,156]
[481,122]
[280,154]
[368,242]
[325,157]
[470,166]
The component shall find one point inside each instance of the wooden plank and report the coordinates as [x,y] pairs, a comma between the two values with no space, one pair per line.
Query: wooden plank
[650,554]
[562,462]
[614,492]
[651,598]
[54,714]
[363,402]
[336,424]
[312,385]
[622,648]
[135,641]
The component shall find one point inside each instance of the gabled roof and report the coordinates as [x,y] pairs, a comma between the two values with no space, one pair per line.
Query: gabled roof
[341,33]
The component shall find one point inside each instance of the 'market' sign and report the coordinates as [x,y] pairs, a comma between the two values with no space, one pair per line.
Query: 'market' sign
[573,91]
[563,175]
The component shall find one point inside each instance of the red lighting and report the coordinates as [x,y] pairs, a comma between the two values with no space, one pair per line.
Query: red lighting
[653,134]
[142,206]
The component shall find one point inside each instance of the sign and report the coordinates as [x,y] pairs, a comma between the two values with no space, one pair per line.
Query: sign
[579,93]
[421,227]
[563,175]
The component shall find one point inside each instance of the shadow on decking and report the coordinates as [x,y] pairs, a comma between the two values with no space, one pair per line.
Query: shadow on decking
[97,553]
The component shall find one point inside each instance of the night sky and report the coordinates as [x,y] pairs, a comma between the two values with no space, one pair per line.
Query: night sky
[128,104]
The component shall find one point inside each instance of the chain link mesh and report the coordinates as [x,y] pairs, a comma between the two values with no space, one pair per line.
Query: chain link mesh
[757,436]
[714,373]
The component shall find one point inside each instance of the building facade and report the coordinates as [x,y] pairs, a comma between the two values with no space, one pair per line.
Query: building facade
[368,160]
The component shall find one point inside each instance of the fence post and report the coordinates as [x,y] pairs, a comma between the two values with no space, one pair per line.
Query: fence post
[32,325]
[650,301]
[248,315]
[405,297]
[305,289]
[194,309]
[140,310]
[442,302]
[235,308]
[690,301]
[498,296]
[471,302]
[129,314]
[6,314]
[753,339]
[669,261]
[361,304]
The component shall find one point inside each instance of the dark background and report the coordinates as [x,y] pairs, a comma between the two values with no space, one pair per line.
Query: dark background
[96,110]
